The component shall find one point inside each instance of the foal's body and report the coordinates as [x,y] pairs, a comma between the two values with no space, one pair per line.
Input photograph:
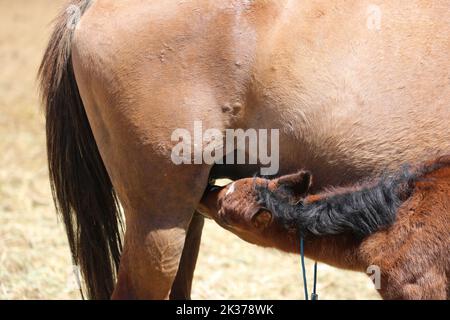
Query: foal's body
[399,225]
[354,88]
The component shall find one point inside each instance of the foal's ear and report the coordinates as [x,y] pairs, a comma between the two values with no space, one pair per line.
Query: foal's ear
[298,183]
[262,219]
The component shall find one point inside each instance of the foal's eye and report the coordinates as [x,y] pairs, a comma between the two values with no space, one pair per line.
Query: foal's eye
[298,202]
[262,218]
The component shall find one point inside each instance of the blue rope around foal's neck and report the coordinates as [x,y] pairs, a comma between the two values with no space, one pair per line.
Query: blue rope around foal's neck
[314,295]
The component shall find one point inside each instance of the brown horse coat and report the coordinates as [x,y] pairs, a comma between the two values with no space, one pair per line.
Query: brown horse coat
[354,89]
[399,224]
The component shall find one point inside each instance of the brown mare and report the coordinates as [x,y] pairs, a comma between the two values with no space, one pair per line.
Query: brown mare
[398,223]
[354,88]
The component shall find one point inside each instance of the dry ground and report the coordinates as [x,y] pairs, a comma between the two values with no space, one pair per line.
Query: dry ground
[34,256]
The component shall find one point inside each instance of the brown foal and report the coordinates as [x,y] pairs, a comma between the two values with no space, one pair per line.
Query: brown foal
[399,223]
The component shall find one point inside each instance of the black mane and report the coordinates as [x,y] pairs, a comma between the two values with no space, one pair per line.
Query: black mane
[361,210]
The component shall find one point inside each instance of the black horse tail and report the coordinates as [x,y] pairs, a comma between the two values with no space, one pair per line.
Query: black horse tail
[82,190]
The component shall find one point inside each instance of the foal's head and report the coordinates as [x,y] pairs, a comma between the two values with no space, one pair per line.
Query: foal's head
[239,208]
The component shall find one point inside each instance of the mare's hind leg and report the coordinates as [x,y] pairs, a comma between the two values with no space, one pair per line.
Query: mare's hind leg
[181,288]
[157,224]
[159,197]
[134,104]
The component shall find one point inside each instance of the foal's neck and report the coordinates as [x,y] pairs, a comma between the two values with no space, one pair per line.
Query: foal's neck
[341,251]
[334,224]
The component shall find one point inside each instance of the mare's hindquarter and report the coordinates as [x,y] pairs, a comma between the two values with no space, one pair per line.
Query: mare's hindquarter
[354,88]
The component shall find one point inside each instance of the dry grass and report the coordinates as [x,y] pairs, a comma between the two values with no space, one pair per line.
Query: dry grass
[34,257]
